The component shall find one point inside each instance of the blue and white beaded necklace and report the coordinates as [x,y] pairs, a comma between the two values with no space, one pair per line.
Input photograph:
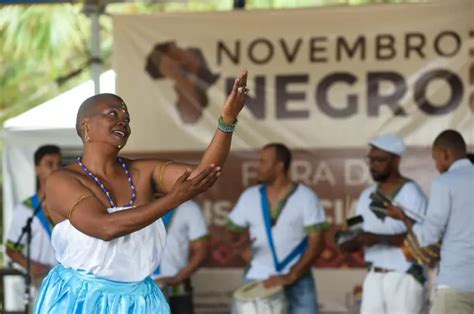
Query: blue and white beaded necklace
[102,186]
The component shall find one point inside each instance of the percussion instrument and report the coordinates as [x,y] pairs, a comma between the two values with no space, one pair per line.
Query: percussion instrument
[354,228]
[378,206]
[254,298]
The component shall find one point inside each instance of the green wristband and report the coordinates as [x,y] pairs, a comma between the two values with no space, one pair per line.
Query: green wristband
[226,127]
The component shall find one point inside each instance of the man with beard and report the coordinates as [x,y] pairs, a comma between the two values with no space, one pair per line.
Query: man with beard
[393,284]
[286,223]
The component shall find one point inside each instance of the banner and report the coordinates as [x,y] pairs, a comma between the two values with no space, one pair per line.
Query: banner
[323,81]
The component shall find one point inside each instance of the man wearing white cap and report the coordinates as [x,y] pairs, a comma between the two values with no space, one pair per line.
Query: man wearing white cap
[393,284]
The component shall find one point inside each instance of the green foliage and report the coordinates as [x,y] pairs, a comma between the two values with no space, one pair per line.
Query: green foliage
[39,44]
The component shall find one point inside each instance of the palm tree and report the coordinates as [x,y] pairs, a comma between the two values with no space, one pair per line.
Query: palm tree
[39,44]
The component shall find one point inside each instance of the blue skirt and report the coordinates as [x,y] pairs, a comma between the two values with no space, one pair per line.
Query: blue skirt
[69,291]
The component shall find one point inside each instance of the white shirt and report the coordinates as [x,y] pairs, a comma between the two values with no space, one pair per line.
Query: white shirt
[390,257]
[41,250]
[302,209]
[450,218]
[130,258]
[187,224]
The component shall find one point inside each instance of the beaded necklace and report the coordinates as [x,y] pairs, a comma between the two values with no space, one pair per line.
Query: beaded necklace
[102,186]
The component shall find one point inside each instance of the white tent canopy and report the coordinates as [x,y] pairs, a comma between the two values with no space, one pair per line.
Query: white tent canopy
[52,122]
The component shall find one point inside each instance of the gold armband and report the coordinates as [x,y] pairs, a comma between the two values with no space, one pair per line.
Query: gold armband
[71,209]
[161,184]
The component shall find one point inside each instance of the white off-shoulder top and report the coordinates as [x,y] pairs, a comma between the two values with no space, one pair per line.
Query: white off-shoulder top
[128,259]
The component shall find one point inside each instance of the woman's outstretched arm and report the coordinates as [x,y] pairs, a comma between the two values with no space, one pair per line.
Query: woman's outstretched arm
[68,198]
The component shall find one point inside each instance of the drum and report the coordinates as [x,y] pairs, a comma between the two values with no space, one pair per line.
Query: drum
[254,298]
[353,229]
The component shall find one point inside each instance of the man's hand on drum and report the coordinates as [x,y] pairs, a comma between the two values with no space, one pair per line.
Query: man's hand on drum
[279,280]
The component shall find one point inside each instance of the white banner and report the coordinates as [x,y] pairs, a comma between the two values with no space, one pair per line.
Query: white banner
[328,77]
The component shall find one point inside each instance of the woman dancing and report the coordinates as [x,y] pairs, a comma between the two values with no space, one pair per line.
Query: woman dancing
[108,235]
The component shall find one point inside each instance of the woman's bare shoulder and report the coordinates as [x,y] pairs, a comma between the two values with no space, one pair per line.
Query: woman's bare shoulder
[66,174]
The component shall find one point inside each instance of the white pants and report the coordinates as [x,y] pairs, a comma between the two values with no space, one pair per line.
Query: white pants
[391,293]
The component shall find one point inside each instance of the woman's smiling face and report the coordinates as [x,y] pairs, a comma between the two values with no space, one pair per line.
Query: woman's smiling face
[108,122]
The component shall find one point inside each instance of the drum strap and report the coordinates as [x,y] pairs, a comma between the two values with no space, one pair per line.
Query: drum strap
[297,251]
[35,203]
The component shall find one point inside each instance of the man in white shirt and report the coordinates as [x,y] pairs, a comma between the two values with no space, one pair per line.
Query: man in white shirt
[393,284]
[449,221]
[185,251]
[286,223]
[47,159]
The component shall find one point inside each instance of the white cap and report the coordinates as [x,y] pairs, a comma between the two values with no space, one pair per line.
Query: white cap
[389,143]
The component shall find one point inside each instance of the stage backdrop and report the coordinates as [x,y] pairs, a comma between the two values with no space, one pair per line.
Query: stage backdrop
[323,81]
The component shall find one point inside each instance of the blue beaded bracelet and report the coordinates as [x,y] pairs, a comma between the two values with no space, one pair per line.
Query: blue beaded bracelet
[226,127]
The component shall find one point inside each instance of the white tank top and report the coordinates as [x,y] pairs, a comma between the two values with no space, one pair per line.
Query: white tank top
[129,258]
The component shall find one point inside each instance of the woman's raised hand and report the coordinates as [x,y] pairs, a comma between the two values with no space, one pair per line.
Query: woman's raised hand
[236,99]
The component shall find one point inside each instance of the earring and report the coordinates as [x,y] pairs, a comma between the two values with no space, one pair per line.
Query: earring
[86,135]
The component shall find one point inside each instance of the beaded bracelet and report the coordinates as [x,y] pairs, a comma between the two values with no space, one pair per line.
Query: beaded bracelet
[226,127]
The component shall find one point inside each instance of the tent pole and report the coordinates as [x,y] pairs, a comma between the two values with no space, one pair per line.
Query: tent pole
[95,50]
[239,4]
[93,11]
